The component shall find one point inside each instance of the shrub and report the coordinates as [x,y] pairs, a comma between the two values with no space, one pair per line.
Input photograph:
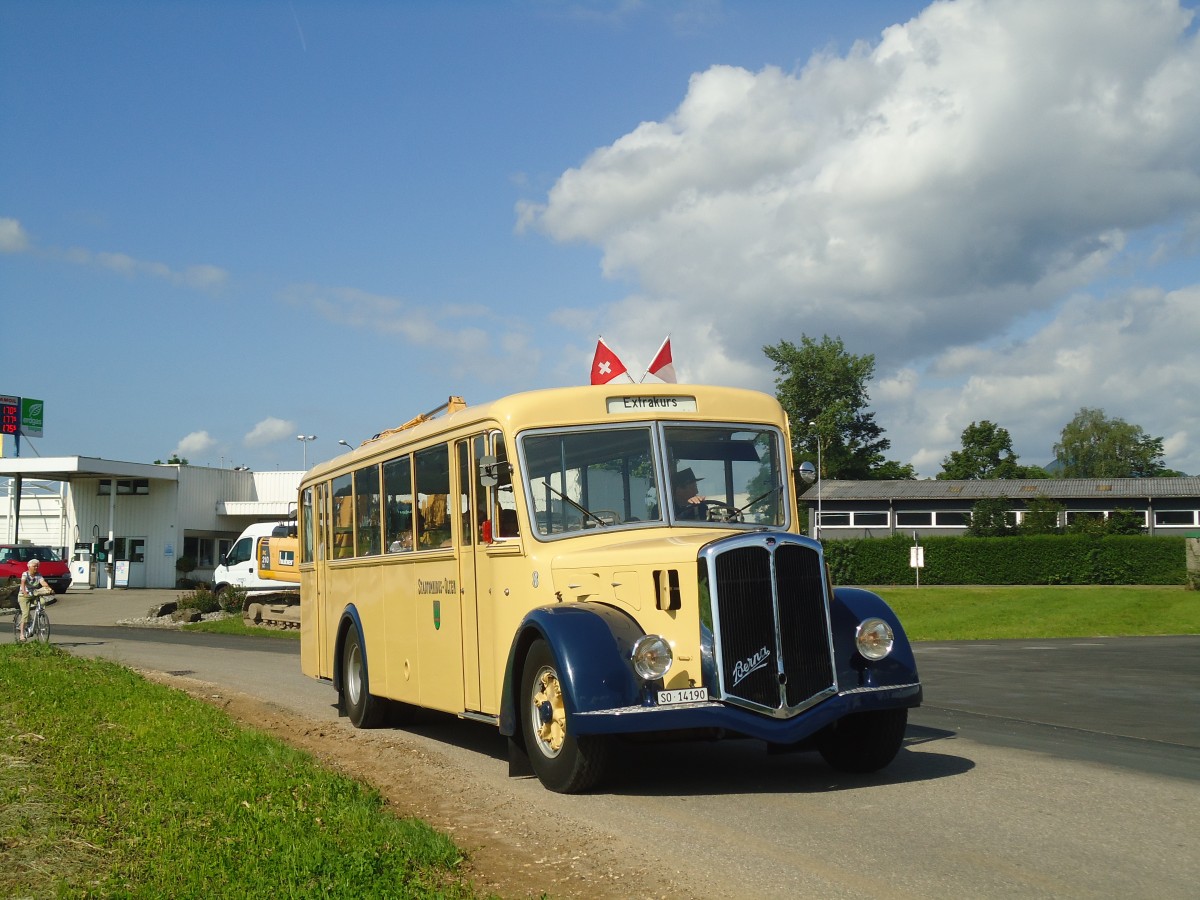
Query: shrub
[202,599]
[1042,516]
[233,599]
[1022,559]
[991,517]
[183,566]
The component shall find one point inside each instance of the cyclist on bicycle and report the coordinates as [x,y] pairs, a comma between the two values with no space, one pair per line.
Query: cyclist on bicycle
[31,583]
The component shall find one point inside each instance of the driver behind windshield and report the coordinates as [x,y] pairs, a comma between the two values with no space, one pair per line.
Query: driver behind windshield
[689,504]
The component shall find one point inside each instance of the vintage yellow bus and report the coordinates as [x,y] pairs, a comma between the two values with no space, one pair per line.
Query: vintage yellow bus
[580,564]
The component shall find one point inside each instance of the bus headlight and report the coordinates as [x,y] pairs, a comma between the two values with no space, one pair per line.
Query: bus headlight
[874,638]
[651,657]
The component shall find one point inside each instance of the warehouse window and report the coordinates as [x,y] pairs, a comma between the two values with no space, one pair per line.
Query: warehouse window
[1169,517]
[135,486]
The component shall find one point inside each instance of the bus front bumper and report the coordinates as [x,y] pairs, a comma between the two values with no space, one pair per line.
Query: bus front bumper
[723,717]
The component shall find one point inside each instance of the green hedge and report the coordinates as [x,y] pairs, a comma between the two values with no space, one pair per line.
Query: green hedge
[1029,559]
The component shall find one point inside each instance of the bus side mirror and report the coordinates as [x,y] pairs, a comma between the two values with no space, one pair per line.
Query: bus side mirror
[489,474]
[806,472]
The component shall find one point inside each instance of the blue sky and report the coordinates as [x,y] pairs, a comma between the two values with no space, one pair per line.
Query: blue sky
[226,224]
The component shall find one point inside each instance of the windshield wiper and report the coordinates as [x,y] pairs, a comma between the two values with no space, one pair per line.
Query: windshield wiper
[583,509]
[759,499]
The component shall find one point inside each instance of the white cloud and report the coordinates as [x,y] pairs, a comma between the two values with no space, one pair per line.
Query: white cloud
[13,238]
[270,430]
[194,445]
[470,341]
[1131,354]
[922,198]
[203,277]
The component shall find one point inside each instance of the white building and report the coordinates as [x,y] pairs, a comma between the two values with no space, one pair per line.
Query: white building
[154,514]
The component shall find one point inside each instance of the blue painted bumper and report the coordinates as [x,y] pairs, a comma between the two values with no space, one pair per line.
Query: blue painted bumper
[724,717]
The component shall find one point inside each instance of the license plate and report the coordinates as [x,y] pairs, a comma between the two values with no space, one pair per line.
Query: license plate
[684,695]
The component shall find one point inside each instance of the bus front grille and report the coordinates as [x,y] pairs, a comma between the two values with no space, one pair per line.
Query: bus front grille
[770,622]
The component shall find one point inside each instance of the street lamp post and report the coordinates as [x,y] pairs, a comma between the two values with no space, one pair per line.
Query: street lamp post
[304,439]
[819,476]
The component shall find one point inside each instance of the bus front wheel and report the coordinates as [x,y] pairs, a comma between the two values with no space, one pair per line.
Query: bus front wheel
[864,742]
[363,709]
[563,762]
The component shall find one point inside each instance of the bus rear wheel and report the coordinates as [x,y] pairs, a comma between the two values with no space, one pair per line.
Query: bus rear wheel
[564,762]
[363,709]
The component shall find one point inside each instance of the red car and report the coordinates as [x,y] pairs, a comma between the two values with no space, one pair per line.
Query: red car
[14,562]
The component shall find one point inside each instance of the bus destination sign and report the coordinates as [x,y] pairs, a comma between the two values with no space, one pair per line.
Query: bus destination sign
[623,405]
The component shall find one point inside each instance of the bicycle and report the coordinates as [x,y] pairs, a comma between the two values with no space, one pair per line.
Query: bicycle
[39,623]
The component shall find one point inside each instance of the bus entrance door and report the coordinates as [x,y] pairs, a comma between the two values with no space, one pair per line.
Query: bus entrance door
[471,560]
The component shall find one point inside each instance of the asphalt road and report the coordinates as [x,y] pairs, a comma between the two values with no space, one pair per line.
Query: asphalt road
[1129,702]
[1067,768]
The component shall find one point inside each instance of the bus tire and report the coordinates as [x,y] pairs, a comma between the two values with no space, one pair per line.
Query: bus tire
[362,708]
[564,762]
[863,742]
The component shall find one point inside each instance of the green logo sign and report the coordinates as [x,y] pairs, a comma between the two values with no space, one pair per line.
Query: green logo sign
[437,615]
[31,417]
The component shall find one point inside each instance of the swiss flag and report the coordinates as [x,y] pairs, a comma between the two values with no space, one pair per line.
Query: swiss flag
[605,365]
[663,366]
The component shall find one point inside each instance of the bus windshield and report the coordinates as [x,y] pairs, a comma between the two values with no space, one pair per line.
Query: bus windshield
[605,477]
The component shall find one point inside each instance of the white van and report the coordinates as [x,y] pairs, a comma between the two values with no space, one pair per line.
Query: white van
[239,567]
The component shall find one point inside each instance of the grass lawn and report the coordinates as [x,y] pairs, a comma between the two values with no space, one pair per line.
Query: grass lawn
[947,613]
[113,786]
[234,625]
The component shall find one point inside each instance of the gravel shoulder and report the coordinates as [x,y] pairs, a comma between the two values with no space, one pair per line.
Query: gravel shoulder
[514,849]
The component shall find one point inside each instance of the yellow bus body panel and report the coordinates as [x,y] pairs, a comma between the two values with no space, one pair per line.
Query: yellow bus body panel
[421,638]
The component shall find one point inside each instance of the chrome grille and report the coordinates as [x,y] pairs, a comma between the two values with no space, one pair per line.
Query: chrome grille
[770,621]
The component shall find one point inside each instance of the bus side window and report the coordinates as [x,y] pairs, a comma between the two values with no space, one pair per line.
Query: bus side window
[397,489]
[502,495]
[366,502]
[433,494]
[508,523]
[306,523]
[466,517]
[343,517]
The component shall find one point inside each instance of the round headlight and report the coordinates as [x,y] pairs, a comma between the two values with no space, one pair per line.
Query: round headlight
[874,638]
[651,657]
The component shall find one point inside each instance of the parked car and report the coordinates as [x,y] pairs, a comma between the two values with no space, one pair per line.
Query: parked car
[14,561]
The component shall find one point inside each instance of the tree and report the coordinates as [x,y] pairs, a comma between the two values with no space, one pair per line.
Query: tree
[823,389]
[991,517]
[1126,521]
[890,470]
[986,453]
[1094,446]
[1042,516]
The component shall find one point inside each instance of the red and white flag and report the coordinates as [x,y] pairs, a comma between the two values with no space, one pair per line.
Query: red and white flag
[605,364]
[663,366]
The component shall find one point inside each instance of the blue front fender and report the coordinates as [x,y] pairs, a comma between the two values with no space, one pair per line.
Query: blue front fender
[591,644]
[849,607]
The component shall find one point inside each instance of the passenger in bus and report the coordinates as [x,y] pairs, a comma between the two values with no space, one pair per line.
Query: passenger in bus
[689,504]
[508,524]
[402,545]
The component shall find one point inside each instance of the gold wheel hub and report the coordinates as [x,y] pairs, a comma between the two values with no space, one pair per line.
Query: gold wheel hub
[548,712]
